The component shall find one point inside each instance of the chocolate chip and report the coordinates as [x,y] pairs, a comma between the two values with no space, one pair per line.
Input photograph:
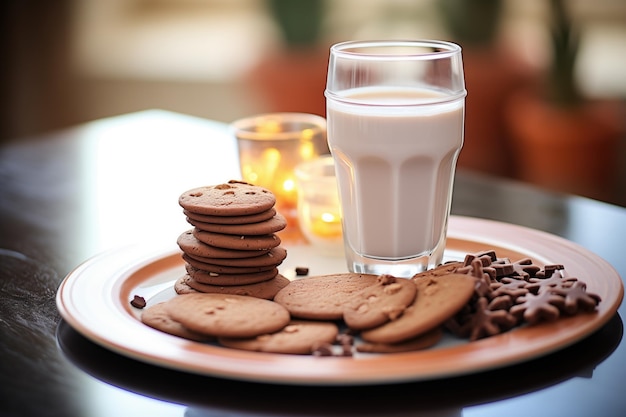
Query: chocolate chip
[503,270]
[549,270]
[138,302]
[345,339]
[346,350]
[323,349]
[302,270]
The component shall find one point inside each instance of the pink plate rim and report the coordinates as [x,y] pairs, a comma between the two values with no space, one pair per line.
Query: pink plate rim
[94,300]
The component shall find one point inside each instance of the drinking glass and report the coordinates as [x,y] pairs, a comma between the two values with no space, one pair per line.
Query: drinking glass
[395,117]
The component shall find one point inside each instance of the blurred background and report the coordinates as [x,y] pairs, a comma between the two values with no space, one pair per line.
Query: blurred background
[546,78]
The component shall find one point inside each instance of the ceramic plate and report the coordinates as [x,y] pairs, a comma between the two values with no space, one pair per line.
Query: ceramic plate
[95,300]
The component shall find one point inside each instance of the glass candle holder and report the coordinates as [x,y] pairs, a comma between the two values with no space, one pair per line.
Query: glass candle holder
[319,211]
[272,145]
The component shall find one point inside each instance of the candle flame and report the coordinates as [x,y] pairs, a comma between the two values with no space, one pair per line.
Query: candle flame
[327,225]
[307,150]
[271,157]
[328,217]
[308,134]
[289,184]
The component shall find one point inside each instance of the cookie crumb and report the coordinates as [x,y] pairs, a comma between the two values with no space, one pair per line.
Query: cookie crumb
[138,302]
[386,279]
[291,329]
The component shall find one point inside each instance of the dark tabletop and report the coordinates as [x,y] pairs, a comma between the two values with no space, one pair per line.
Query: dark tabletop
[70,195]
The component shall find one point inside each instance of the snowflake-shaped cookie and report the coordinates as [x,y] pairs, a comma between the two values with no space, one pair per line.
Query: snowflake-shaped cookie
[485,322]
[513,287]
[534,308]
[577,298]
[535,285]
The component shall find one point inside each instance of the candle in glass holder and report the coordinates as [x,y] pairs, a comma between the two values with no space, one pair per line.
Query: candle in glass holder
[319,211]
[272,145]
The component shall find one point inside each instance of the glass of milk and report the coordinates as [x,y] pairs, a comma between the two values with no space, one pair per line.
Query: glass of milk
[395,116]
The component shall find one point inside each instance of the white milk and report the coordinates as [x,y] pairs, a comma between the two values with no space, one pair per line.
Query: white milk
[395,169]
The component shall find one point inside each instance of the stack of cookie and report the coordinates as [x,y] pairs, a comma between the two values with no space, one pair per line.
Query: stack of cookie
[233,247]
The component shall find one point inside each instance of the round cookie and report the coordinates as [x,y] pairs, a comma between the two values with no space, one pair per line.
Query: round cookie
[266,227]
[181,286]
[251,218]
[272,258]
[236,198]
[420,342]
[266,289]
[443,269]
[438,298]
[298,337]
[158,317]
[225,315]
[239,243]
[379,303]
[212,278]
[322,297]
[189,244]
[222,269]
